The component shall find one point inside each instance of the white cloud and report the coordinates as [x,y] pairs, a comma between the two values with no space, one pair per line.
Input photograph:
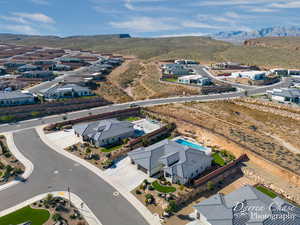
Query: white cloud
[14,19]
[195,34]
[22,29]
[262,10]
[286,4]
[35,17]
[194,24]
[40,2]
[145,24]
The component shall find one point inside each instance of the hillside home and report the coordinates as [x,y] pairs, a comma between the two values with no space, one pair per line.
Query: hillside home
[29,67]
[105,132]
[60,67]
[285,95]
[44,75]
[177,163]
[186,62]
[10,98]
[2,71]
[195,79]
[175,70]
[246,206]
[294,72]
[252,75]
[58,91]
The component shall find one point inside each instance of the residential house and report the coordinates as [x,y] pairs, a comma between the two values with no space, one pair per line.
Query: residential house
[43,75]
[175,70]
[58,91]
[232,66]
[105,132]
[12,66]
[246,206]
[280,72]
[10,98]
[2,71]
[195,79]
[252,75]
[285,95]
[186,62]
[178,163]
[294,72]
[60,67]
[29,67]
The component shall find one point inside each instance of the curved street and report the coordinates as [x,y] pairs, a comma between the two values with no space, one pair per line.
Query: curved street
[53,172]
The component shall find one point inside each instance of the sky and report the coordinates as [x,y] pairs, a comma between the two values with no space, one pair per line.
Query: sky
[144,18]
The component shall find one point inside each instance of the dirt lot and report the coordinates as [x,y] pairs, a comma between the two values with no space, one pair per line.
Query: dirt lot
[137,80]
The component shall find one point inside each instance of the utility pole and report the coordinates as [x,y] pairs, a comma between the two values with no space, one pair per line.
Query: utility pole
[69,194]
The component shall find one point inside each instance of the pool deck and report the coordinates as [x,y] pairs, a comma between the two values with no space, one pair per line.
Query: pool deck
[192,141]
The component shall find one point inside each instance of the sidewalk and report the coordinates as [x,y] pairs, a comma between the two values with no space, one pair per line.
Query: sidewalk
[87,214]
[150,218]
[27,164]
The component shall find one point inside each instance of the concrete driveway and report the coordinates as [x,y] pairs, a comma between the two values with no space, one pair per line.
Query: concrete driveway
[126,174]
[63,138]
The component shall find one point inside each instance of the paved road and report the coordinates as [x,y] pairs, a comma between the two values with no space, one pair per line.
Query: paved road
[52,172]
[77,114]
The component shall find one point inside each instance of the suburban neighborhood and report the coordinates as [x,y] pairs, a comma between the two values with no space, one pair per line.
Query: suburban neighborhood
[149,112]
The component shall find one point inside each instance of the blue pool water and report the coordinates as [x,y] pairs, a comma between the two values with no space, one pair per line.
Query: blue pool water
[190,144]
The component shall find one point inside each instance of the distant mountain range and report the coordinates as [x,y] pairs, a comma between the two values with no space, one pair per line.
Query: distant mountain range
[241,36]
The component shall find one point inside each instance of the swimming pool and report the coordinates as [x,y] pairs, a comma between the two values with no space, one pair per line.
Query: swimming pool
[190,144]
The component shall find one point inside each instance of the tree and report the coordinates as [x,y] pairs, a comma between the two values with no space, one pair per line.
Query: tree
[171,207]
[210,185]
[48,199]
[56,217]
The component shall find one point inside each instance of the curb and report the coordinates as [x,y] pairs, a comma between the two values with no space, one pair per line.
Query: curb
[88,215]
[150,218]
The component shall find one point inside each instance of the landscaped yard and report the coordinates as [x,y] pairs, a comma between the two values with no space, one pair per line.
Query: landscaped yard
[110,149]
[170,79]
[161,188]
[266,191]
[132,118]
[27,214]
[218,159]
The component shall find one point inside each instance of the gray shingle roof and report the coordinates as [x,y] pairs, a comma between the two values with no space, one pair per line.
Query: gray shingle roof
[287,92]
[165,152]
[258,209]
[5,95]
[104,129]
[57,88]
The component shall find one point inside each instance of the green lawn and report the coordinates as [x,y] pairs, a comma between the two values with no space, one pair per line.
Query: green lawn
[170,79]
[266,191]
[164,189]
[26,214]
[110,149]
[132,118]
[218,159]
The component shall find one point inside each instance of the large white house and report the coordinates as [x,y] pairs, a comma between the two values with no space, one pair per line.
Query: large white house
[10,98]
[195,79]
[178,163]
[246,206]
[285,95]
[252,75]
[58,91]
